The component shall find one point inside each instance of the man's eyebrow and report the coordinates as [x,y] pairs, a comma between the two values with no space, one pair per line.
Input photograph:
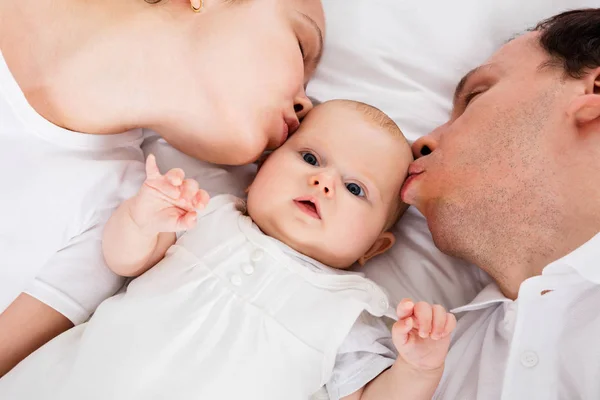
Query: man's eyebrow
[319,52]
[463,82]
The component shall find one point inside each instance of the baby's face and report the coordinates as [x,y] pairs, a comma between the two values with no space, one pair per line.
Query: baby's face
[329,190]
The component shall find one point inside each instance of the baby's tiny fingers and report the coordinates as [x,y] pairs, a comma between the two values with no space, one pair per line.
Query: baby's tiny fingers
[438,322]
[405,325]
[405,308]
[163,189]
[175,176]
[450,324]
[201,199]
[152,171]
[423,313]
[189,188]
[401,330]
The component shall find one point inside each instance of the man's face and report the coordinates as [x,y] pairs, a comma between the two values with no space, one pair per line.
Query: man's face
[493,176]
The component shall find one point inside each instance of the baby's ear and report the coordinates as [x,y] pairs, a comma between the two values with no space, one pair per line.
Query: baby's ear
[384,242]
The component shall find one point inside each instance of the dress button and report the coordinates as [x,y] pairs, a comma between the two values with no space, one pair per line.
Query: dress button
[236,280]
[248,269]
[529,359]
[383,305]
[257,255]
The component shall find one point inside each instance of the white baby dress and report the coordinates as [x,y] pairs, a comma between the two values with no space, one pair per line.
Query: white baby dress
[226,315]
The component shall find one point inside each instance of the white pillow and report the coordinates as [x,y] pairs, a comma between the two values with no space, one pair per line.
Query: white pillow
[404,57]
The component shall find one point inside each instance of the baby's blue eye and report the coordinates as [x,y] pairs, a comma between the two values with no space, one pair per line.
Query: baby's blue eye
[355,189]
[310,158]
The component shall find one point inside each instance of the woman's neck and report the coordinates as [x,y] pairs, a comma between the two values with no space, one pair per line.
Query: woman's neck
[90,66]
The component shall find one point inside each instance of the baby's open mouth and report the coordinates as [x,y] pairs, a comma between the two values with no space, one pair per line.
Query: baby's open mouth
[309,206]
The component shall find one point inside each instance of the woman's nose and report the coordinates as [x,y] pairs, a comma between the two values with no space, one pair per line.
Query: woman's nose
[302,104]
[424,146]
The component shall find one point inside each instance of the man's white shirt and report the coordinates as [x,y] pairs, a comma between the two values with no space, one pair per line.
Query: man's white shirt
[544,345]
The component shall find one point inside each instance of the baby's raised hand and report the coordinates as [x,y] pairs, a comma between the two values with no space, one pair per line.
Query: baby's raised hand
[422,334]
[166,203]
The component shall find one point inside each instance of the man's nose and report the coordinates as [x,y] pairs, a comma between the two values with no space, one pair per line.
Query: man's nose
[424,145]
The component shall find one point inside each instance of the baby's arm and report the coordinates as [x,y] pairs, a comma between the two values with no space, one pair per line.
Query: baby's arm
[422,337]
[141,230]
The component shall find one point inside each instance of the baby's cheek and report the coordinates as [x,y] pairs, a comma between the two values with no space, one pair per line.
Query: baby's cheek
[354,240]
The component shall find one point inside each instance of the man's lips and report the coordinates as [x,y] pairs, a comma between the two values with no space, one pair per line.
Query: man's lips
[413,173]
[309,205]
[415,169]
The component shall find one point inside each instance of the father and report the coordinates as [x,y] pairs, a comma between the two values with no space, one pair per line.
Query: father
[511,183]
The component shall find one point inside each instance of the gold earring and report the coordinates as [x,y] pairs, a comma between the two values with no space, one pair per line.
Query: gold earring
[199,9]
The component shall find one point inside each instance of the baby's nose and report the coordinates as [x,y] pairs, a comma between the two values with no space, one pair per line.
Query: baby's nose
[324,183]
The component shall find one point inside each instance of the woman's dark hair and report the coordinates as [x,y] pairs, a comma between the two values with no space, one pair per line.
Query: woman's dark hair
[572,39]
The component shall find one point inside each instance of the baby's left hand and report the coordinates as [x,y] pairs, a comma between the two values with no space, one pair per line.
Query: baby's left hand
[422,334]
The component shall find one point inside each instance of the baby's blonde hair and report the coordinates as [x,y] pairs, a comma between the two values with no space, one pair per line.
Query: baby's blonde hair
[381,120]
[374,115]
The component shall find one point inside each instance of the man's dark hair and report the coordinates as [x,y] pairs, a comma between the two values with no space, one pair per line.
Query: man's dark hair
[572,39]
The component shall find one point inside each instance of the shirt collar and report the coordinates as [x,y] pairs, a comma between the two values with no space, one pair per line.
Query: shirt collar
[489,296]
[585,260]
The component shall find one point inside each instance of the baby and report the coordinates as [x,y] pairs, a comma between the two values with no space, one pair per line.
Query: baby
[252,301]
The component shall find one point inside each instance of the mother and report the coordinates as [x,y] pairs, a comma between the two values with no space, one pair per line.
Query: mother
[221,85]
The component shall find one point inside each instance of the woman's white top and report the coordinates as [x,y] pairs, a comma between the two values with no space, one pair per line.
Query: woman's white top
[58,190]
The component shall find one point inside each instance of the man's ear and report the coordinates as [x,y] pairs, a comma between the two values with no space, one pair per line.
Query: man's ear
[383,243]
[586,108]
